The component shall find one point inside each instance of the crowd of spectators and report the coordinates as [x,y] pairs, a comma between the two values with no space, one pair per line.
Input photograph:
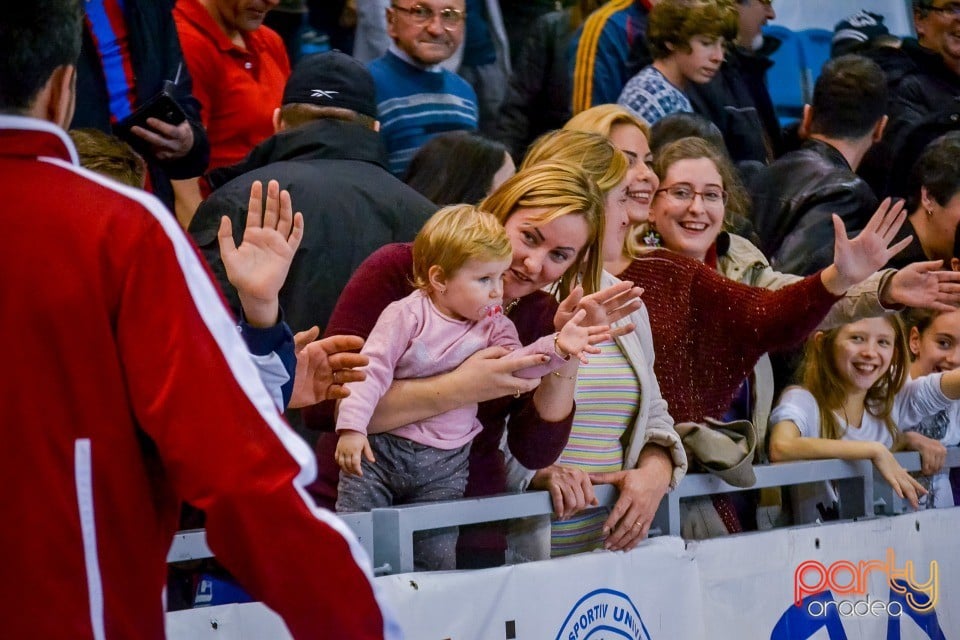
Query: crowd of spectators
[613,236]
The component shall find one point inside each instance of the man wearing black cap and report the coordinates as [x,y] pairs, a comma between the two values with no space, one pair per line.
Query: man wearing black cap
[327,152]
[860,32]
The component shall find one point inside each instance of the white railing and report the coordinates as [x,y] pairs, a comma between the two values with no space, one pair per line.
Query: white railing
[387,534]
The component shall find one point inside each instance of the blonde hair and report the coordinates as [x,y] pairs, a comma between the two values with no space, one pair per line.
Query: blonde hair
[455,235]
[819,375]
[603,163]
[604,117]
[560,189]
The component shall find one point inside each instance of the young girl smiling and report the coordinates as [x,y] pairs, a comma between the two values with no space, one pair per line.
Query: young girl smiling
[855,392]
[934,347]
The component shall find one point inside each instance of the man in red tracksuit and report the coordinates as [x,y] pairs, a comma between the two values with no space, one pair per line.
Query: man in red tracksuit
[127,390]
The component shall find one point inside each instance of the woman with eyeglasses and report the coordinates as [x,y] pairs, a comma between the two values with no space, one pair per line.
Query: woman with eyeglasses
[689,215]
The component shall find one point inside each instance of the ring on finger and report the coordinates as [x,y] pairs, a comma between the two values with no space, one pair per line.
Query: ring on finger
[517,394]
[638,523]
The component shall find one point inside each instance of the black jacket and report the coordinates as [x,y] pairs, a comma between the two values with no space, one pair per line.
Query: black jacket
[538,94]
[924,104]
[156,57]
[738,102]
[336,174]
[793,200]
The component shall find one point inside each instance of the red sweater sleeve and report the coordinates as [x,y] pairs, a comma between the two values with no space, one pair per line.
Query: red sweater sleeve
[710,331]
[384,277]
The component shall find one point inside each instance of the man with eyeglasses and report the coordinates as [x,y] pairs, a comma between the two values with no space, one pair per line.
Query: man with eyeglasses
[924,78]
[417,98]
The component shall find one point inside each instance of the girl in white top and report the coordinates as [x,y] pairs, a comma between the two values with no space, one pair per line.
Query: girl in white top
[855,391]
[934,341]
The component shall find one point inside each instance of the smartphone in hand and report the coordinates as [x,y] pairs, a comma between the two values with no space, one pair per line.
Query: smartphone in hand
[162,106]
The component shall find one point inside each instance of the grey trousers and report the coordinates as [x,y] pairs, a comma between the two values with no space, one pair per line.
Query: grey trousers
[406,472]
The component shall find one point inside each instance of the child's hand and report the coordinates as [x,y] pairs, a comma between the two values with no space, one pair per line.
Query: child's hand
[350,446]
[577,340]
[903,484]
[933,455]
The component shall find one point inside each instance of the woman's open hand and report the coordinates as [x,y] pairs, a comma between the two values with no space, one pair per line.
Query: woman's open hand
[605,307]
[856,260]
[920,284]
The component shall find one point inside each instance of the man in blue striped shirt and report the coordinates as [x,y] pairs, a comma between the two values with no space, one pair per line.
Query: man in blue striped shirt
[416,98]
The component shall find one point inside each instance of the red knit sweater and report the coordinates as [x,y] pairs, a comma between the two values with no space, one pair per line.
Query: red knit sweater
[709,331]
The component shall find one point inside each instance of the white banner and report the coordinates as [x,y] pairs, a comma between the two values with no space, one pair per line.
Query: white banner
[591,596]
[749,583]
[883,579]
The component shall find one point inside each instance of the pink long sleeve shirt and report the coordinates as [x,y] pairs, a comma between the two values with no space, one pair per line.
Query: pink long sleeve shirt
[412,339]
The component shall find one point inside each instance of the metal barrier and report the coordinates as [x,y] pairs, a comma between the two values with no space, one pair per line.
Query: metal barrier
[387,534]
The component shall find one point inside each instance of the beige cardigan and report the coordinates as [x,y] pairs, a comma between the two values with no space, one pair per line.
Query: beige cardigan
[529,538]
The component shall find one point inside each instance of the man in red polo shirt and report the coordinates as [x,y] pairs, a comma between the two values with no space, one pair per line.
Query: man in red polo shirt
[239,68]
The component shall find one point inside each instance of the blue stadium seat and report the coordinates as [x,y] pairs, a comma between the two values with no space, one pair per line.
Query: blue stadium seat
[815,51]
[786,78]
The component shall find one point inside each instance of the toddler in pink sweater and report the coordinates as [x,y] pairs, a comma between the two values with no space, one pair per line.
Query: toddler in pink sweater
[459,258]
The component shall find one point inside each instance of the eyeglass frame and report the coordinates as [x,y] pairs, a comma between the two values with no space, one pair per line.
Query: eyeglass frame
[952,9]
[725,197]
[425,20]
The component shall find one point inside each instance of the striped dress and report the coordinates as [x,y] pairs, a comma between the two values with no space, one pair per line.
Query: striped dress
[608,399]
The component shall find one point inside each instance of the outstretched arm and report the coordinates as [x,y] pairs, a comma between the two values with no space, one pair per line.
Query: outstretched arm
[786,443]
[324,367]
[259,266]
[855,260]
[923,285]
